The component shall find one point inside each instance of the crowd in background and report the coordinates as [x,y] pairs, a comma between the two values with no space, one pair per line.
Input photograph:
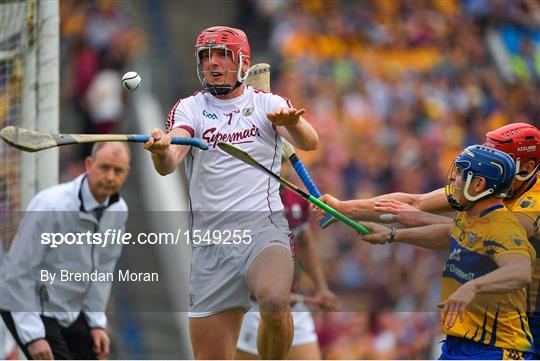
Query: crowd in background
[98,39]
[395,89]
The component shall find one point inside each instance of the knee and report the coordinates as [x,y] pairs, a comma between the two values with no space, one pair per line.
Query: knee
[273,304]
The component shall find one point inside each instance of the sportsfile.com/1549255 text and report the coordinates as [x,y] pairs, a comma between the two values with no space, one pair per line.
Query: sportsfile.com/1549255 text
[118,236]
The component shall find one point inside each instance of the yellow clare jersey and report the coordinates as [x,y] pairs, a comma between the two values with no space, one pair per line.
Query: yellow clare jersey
[496,319]
[528,205]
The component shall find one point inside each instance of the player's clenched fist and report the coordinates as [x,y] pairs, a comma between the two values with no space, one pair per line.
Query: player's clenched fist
[286,116]
[331,201]
[379,234]
[158,143]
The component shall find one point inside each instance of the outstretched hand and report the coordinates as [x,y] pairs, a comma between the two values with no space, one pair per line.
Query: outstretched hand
[332,202]
[454,307]
[396,211]
[285,116]
[325,300]
[379,234]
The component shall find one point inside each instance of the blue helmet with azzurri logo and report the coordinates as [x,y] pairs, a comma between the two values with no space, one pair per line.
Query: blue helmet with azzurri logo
[496,167]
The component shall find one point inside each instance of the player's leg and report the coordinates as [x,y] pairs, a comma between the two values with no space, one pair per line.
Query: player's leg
[218,299]
[270,277]
[214,337]
[246,347]
[305,344]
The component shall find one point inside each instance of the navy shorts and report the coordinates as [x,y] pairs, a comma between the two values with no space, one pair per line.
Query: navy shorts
[534,325]
[455,348]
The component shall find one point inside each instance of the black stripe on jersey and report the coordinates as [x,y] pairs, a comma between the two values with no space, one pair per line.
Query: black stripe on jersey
[491,244]
[494,329]
[523,328]
[484,330]
[475,333]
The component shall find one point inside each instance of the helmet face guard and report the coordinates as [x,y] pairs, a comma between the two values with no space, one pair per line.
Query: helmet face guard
[451,190]
[234,44]
[496,167]
[522,142]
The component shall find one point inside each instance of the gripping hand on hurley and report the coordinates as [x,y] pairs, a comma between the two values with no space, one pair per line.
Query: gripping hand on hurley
[166,157]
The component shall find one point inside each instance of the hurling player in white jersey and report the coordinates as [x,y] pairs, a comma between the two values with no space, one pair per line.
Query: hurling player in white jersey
[220,187]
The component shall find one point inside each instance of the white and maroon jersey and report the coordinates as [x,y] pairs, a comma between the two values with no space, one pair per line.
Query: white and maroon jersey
[296,211]
[217,181]
[297,214]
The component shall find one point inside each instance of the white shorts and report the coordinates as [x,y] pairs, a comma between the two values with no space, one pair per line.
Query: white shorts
[304,328]
[217,280]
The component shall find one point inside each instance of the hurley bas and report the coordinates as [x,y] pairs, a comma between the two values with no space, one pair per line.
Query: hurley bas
[65,275]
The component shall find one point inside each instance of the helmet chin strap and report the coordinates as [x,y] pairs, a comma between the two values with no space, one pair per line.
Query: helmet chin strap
[523,179]
[453,202]
[221,89]
[239,78]
[529,175]
[478,196]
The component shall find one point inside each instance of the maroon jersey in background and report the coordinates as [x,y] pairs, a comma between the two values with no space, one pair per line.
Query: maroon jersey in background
[296,210]
[297,214]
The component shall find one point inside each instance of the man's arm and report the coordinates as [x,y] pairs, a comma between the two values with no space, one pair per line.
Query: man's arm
[395,211]
[295,128]
[306,252]
[372,208]
[435,237]
[527,224]
[514,273]
[167,157]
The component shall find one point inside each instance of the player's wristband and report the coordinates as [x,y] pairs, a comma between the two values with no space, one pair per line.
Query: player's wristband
[392,237]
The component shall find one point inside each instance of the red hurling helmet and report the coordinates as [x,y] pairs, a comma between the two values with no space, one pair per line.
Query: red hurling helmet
[234,39]
[521,141]
[234,42]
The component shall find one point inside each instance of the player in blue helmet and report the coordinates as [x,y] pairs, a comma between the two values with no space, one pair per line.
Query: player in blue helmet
[484,281]
[522,142]
[495,167]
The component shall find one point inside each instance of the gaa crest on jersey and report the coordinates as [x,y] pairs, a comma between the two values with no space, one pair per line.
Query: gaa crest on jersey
[517,241]
[472,239]
[246,112]
[528,202]
[210,115]
[455,255]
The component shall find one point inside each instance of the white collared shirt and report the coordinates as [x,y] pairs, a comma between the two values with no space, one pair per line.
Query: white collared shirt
[60,208]
[90,203]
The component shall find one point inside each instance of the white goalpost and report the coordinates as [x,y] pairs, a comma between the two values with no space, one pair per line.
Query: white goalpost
[29,97]
[29,94]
